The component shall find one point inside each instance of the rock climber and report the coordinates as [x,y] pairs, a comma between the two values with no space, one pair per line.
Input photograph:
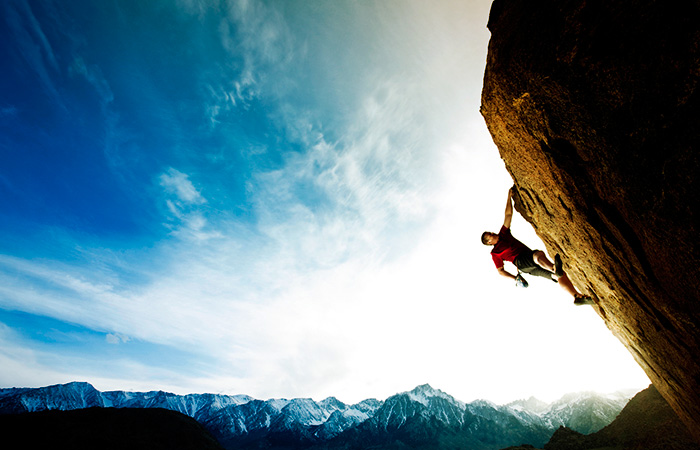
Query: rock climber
[533,262]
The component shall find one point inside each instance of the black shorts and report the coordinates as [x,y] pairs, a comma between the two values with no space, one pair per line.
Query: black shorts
[526,264]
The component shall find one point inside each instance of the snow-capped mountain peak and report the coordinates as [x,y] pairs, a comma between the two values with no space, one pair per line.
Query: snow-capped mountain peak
[424,393]
[531,404]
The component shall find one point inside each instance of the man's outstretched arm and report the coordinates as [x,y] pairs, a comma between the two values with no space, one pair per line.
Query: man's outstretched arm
[509,210]
[505,273]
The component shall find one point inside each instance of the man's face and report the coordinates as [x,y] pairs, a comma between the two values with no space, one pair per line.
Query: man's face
[491,238]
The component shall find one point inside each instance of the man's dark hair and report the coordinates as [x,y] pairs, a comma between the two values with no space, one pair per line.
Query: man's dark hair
[483,237]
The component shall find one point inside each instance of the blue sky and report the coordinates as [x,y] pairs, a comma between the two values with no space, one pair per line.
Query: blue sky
[281,199]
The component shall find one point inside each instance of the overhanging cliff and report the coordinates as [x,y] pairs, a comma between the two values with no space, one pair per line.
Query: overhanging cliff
[594,108]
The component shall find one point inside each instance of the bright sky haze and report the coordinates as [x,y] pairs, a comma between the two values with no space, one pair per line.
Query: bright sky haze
[272,198]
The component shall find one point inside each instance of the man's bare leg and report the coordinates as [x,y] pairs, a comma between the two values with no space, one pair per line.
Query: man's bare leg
[566,284]
[542,260]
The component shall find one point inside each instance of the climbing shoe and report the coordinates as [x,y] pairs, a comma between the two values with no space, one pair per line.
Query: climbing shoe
[558,266]
[583,300]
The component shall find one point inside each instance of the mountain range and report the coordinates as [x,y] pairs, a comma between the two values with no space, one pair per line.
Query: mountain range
[422,418]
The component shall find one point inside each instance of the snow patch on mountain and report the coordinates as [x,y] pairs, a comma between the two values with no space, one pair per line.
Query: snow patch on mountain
[425,393]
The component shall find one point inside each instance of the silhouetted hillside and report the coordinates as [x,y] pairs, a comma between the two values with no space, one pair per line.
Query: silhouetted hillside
[646,423]
[106,429]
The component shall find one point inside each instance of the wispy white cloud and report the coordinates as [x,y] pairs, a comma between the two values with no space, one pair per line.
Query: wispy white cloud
[116,338]
[184,204]
[8,111]
[94,76]
[179,184]
[33,45]
[260,30]
[164,311]
[20,367]
[198,8]
[26,363]
[260,46]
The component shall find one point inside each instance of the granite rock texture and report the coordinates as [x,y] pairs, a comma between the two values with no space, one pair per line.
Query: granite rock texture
[594,107]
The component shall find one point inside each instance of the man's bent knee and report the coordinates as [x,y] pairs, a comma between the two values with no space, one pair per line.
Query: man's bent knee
[538,256]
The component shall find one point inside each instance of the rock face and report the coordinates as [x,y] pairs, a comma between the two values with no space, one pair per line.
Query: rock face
[595,110]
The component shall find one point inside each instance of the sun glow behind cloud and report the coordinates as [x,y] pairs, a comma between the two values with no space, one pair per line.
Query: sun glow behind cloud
[315,199]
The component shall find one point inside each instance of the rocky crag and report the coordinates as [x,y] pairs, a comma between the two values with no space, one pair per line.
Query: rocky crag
[594,108]
[647,422]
